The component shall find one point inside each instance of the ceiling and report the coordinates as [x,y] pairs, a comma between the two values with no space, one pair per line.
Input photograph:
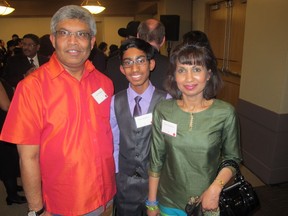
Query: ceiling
[46,8]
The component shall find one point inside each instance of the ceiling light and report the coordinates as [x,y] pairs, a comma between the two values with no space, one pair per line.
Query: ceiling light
[93,6]
[5,8]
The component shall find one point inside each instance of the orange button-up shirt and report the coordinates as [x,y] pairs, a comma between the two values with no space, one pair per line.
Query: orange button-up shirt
[52,109]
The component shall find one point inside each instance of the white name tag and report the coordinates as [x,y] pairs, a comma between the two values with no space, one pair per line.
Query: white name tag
[143,120]
[169,128]
[99,95]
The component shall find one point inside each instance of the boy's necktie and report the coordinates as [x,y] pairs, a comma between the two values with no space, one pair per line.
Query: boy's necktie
[137,108]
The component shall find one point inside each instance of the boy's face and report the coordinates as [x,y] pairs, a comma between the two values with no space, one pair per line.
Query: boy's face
[136,68]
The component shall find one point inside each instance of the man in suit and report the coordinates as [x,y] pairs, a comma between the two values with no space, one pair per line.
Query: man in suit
[153,31]
[19,65]
[11,44]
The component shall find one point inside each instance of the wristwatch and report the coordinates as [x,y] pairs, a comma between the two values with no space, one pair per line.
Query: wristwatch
[36,213]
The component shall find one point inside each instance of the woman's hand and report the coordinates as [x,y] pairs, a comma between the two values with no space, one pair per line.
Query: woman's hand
[210,197]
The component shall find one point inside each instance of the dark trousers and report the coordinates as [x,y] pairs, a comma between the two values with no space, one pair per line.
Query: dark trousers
[9,168]
[132,192]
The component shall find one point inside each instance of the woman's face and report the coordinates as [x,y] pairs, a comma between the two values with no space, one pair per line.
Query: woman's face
[191,79]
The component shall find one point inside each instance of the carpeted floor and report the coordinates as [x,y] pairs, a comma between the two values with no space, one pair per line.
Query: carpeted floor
[273,200]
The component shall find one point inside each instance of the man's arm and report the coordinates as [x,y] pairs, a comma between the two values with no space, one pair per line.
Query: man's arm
[31,176]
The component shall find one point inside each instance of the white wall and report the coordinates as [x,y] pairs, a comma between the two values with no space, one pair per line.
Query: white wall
[107,28]
[264,74]
[22,26]
[264,78]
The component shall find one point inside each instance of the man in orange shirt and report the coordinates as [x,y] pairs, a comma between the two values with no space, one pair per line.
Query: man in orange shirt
[59,117]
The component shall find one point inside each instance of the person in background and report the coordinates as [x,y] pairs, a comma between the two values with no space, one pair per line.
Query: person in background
[11,44]
[9,160]
[17,49]
[196,37]
[153,31]
[131,130]
[3,56]
[113,64]
[191,135]
[103,47]
[59,117]
[113,50]
[98,58]
[18,66]
[46,47]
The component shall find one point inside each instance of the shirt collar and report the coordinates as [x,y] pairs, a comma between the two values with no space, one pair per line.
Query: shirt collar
[34,58]
[146,95]
[56,68]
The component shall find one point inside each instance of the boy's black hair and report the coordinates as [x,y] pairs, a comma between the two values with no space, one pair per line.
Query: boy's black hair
[138,44]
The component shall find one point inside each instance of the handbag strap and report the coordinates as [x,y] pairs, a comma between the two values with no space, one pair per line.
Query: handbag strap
[233,164]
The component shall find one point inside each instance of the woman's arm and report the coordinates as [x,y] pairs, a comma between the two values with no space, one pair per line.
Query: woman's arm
[4,100]
[230,150]
[152,195]
[210,197]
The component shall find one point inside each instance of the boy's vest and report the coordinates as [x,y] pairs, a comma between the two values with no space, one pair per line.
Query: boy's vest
[134,146]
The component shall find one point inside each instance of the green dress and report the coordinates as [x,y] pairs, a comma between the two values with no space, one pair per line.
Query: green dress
[187,164]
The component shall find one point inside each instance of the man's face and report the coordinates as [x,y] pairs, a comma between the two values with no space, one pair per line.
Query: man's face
[73,43]
[29,47]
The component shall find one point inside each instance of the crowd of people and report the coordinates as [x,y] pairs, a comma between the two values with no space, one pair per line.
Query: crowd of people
[99,126]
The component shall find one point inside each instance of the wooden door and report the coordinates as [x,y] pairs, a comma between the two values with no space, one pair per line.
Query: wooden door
[225,25]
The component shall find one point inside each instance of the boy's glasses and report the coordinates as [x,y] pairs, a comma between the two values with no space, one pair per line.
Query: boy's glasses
[128,63]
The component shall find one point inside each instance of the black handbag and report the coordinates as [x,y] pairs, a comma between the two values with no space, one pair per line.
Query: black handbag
[194,207]
[239,198]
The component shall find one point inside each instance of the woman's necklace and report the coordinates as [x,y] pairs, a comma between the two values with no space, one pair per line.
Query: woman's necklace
[191,119]
[203,105]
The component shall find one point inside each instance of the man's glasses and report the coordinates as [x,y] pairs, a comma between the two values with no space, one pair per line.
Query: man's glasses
[80,34]
[127,63]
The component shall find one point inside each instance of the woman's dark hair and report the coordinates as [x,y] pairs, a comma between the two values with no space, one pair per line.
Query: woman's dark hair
[194,54]
[195,37]
[138,44]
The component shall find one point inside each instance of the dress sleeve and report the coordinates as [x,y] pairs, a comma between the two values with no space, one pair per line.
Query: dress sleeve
[231,138]
[158,152]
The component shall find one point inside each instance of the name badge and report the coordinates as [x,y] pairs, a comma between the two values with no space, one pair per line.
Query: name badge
[143,120]
[99,95]
[169,128]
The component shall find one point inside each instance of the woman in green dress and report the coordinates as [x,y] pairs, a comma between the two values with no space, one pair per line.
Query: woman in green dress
[192,134]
